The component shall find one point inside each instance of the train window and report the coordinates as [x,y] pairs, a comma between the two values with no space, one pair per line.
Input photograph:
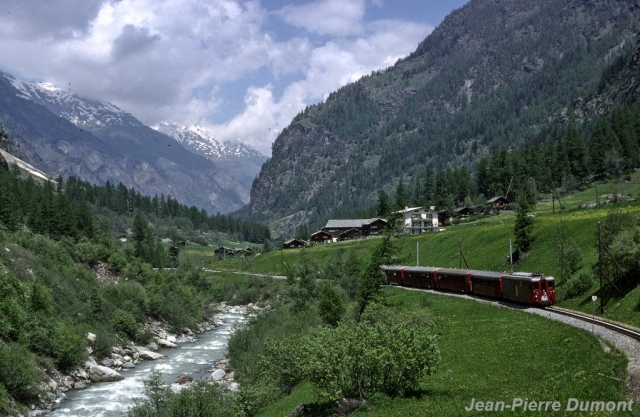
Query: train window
[550,284]
[535,286]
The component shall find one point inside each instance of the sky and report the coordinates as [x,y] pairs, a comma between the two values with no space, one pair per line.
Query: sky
[240,69]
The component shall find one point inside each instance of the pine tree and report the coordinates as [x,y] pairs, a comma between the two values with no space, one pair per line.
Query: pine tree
[401,196]
[523,227]
[383,208]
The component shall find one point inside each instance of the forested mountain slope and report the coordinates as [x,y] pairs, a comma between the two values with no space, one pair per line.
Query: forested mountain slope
[495,73]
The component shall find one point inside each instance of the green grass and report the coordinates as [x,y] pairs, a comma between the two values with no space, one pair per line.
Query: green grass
[494,354]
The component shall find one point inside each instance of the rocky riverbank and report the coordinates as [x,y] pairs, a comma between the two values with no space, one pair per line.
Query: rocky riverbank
[124,358]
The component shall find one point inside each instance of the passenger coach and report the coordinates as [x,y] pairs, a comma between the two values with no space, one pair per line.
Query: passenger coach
[526,288]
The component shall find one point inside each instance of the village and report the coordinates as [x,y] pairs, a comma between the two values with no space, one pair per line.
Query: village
[411,220]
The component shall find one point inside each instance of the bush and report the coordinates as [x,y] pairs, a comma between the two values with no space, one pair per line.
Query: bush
[5,401]
[200,399]
[355,359]
[330,304]
[19,374]
[124,322]
[579,284]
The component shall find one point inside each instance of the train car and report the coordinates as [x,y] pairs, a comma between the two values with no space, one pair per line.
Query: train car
[523,287]
[458,280]
[486,283]
[394,274]
[549,283]
[419,276]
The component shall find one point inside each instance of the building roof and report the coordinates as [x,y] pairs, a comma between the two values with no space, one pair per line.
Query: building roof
[496,198]
[321,231]
[294,240]
[350,223]
[410,209]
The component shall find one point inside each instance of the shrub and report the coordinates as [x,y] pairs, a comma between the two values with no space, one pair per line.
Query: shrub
[18,372]
[330,304]
[355,359]
[125,323]
[579,284]
[5,401]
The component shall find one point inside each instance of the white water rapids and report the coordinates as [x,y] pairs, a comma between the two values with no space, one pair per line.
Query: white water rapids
[111,399]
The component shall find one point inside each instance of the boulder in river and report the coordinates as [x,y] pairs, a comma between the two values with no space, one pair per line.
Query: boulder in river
[148,355]
[183,379]
[98,373]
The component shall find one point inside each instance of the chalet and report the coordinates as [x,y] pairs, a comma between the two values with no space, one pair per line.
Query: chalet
[366,227]
[350,234]
[294,244]
[223,251]
[498,202]
[462,212]
[322,237]
[244,252]
[416,220]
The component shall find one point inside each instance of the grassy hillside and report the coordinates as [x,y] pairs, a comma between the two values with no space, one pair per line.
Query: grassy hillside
[485,243]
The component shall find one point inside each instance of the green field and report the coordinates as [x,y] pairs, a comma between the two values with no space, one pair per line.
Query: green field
[495,354]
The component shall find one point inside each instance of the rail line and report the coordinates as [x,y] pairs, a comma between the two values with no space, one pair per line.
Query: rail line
[609,324]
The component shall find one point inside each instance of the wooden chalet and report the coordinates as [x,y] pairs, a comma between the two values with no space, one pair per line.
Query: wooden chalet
[244,252]
[350,235]
[366,227]
[462,212]
[294,244]
[498,202]
[322,237]
[223,251]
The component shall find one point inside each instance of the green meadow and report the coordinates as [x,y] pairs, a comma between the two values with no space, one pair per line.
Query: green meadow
[494,354]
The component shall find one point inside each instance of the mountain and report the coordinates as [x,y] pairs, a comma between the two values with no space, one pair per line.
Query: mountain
[240,160]
[495,73]
[63,134]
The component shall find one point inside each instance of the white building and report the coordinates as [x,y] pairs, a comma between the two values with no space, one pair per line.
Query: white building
[416,220]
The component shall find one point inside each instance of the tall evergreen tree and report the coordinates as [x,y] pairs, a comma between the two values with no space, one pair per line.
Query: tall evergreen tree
[523,227]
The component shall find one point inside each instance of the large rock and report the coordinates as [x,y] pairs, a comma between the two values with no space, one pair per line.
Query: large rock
[217,375]
[145,353]
[98,373]
[166,344]
[183,379]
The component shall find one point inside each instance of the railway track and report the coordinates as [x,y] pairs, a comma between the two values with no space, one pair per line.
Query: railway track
[611,325]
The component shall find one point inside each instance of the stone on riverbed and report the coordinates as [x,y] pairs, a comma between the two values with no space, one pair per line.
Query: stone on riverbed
[183,379]
[147,354]
[98,373]
[217,375]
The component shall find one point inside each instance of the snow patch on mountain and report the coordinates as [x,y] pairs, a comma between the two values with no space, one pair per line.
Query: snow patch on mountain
[202,142]
[82,112]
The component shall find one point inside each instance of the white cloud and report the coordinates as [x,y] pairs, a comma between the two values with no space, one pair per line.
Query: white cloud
[327,17]
[177,61]
[327,68]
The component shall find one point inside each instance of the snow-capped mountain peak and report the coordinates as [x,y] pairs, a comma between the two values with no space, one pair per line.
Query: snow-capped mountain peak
[200,140]
[84,113]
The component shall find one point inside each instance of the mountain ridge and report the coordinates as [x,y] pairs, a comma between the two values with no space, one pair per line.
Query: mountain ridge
[493,74]
[63,134]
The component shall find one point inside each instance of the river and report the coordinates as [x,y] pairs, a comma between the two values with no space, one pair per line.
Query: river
[110,399]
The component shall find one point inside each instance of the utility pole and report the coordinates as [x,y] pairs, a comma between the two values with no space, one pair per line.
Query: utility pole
[510,256]
[600,267]
[417,253]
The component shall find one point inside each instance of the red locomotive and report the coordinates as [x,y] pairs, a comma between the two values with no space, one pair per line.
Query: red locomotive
[523,287]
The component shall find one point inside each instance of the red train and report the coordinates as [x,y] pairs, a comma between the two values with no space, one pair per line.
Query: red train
[528,288]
